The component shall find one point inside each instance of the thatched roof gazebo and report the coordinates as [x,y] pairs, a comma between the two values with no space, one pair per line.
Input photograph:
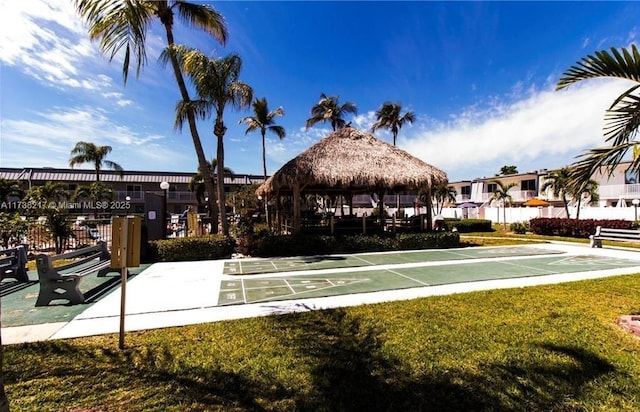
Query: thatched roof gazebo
[349,161]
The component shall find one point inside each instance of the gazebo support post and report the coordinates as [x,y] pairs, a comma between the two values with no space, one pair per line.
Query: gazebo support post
[296,209]
[381,206]
[429,212]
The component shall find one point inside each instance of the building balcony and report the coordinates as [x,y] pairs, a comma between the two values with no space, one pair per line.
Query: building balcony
[631,191]
[173,196]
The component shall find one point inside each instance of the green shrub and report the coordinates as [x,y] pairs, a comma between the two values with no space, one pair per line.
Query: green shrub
[300,245]
[192,248]
[581,228]
[470,225]
[519,227]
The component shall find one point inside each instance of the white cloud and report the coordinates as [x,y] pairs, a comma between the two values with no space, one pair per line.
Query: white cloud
[45,39]
[542,125]
[57,131]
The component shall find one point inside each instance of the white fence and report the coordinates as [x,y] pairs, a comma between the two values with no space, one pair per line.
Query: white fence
[516,214]
[523,214]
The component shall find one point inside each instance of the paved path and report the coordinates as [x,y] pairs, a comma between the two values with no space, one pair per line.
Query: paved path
[183,293]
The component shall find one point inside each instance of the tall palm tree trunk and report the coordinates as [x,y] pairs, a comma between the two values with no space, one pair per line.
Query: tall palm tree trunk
[504,215]
[565,202]
[219,130]
[264,156]
[203,165]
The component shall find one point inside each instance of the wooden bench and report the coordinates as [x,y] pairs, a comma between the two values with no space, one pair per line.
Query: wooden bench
[13,264]
[62,282]
[604,233]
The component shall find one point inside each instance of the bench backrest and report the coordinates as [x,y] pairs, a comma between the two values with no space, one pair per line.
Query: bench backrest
[46,270]
[14,257]
[617,233]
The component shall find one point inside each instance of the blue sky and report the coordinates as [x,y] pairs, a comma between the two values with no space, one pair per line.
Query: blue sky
[479,76]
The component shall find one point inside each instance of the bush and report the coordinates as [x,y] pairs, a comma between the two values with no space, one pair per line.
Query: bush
[581,228]
[519,227]
[192,248]
[301,245]
[469,225]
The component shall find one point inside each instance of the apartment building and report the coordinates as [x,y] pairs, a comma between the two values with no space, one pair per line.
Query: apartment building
[615,190]
[132,187]
[618,189]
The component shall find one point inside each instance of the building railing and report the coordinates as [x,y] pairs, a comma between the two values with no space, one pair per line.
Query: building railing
[175,196]
[631,191]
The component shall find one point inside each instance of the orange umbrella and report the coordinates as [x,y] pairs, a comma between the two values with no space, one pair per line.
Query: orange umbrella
[536,202]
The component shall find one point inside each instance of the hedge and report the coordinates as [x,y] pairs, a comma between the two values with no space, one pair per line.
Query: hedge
[301,245]
[469,225]
[581,228]
[192,248]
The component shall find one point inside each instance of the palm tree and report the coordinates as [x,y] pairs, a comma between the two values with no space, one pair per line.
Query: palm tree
[10,188]
[585,189]
[123,24]
[558,182]
[196,184]
[328,109]
[442,194]
[49,194]
[502,195]
[263,120]
[217,84]
[96,191]
[622,119]
[389,118]
[85,152]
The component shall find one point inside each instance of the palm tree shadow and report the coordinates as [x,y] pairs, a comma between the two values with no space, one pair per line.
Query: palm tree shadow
[353,370]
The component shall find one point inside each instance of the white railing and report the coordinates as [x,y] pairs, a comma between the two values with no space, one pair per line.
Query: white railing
[173,196]
[618,191]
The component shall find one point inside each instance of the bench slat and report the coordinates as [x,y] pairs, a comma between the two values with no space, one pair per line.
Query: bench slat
[623,235]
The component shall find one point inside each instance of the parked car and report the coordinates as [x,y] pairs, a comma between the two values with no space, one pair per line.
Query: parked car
[94,233]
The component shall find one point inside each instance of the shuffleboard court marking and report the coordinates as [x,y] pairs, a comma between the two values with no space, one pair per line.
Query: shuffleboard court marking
[516,264]
[408,277]
[364,260]
[289,286]
[329,262]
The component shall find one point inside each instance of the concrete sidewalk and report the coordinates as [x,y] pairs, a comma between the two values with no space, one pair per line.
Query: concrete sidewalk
[154,299]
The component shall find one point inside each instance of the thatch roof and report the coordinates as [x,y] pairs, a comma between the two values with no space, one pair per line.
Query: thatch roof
[354,161]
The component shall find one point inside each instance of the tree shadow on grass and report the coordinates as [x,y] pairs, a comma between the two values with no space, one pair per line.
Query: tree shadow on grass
[350,365]
[155,377]
[353,371]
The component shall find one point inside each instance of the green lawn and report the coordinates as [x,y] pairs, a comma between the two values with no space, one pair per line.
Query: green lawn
[546,348]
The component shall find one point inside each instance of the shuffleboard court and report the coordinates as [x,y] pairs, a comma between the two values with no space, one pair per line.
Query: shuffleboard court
[265,289]
[246,267]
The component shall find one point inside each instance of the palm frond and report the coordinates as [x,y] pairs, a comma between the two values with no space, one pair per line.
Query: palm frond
[204,17]
[601,159]
[623,120]
[621,64]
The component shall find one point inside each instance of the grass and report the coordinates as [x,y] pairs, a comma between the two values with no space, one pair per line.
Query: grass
[544,348]
[532,349]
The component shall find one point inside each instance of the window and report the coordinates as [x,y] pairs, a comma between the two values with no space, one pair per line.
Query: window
[528,184]
[134,191]
[492,187]
[631,177]
[465,190]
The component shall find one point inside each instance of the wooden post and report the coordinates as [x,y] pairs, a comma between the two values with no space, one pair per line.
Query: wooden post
[126,237]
